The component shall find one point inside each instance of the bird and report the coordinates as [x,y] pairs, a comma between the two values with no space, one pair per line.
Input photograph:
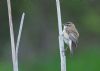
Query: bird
[70,36]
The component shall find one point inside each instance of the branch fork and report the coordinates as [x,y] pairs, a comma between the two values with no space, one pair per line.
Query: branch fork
[13,47]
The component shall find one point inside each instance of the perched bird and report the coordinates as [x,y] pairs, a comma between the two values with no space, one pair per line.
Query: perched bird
[70,35]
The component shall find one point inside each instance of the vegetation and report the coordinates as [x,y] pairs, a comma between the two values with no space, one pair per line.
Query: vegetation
[39,46]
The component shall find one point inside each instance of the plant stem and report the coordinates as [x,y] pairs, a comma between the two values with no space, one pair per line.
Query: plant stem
[19,36]
[61,42]
[15,67]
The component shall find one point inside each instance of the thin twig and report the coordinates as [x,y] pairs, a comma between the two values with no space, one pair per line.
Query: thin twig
[61,43]
[15,67]
[19,34]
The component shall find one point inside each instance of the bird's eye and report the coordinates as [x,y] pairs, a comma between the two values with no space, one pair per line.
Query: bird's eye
[67,24]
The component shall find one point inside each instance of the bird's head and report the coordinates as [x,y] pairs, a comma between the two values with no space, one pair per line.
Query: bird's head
[69,25]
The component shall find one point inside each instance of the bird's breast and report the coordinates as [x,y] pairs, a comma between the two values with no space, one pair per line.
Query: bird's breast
[66,35]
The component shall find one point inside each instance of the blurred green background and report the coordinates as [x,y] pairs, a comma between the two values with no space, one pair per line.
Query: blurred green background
[39,48]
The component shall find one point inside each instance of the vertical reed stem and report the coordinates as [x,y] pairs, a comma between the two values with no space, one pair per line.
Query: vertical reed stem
[15,67]
[61,42]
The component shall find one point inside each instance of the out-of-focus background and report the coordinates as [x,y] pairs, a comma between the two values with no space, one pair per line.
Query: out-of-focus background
[39,48]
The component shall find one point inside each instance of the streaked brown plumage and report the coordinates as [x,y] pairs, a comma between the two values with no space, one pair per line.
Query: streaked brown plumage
[70,35]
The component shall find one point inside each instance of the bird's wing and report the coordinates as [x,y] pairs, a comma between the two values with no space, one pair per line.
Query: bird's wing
[74,38]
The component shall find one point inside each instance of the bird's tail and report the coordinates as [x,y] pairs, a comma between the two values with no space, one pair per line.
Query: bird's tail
[72,47]
[71,50]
